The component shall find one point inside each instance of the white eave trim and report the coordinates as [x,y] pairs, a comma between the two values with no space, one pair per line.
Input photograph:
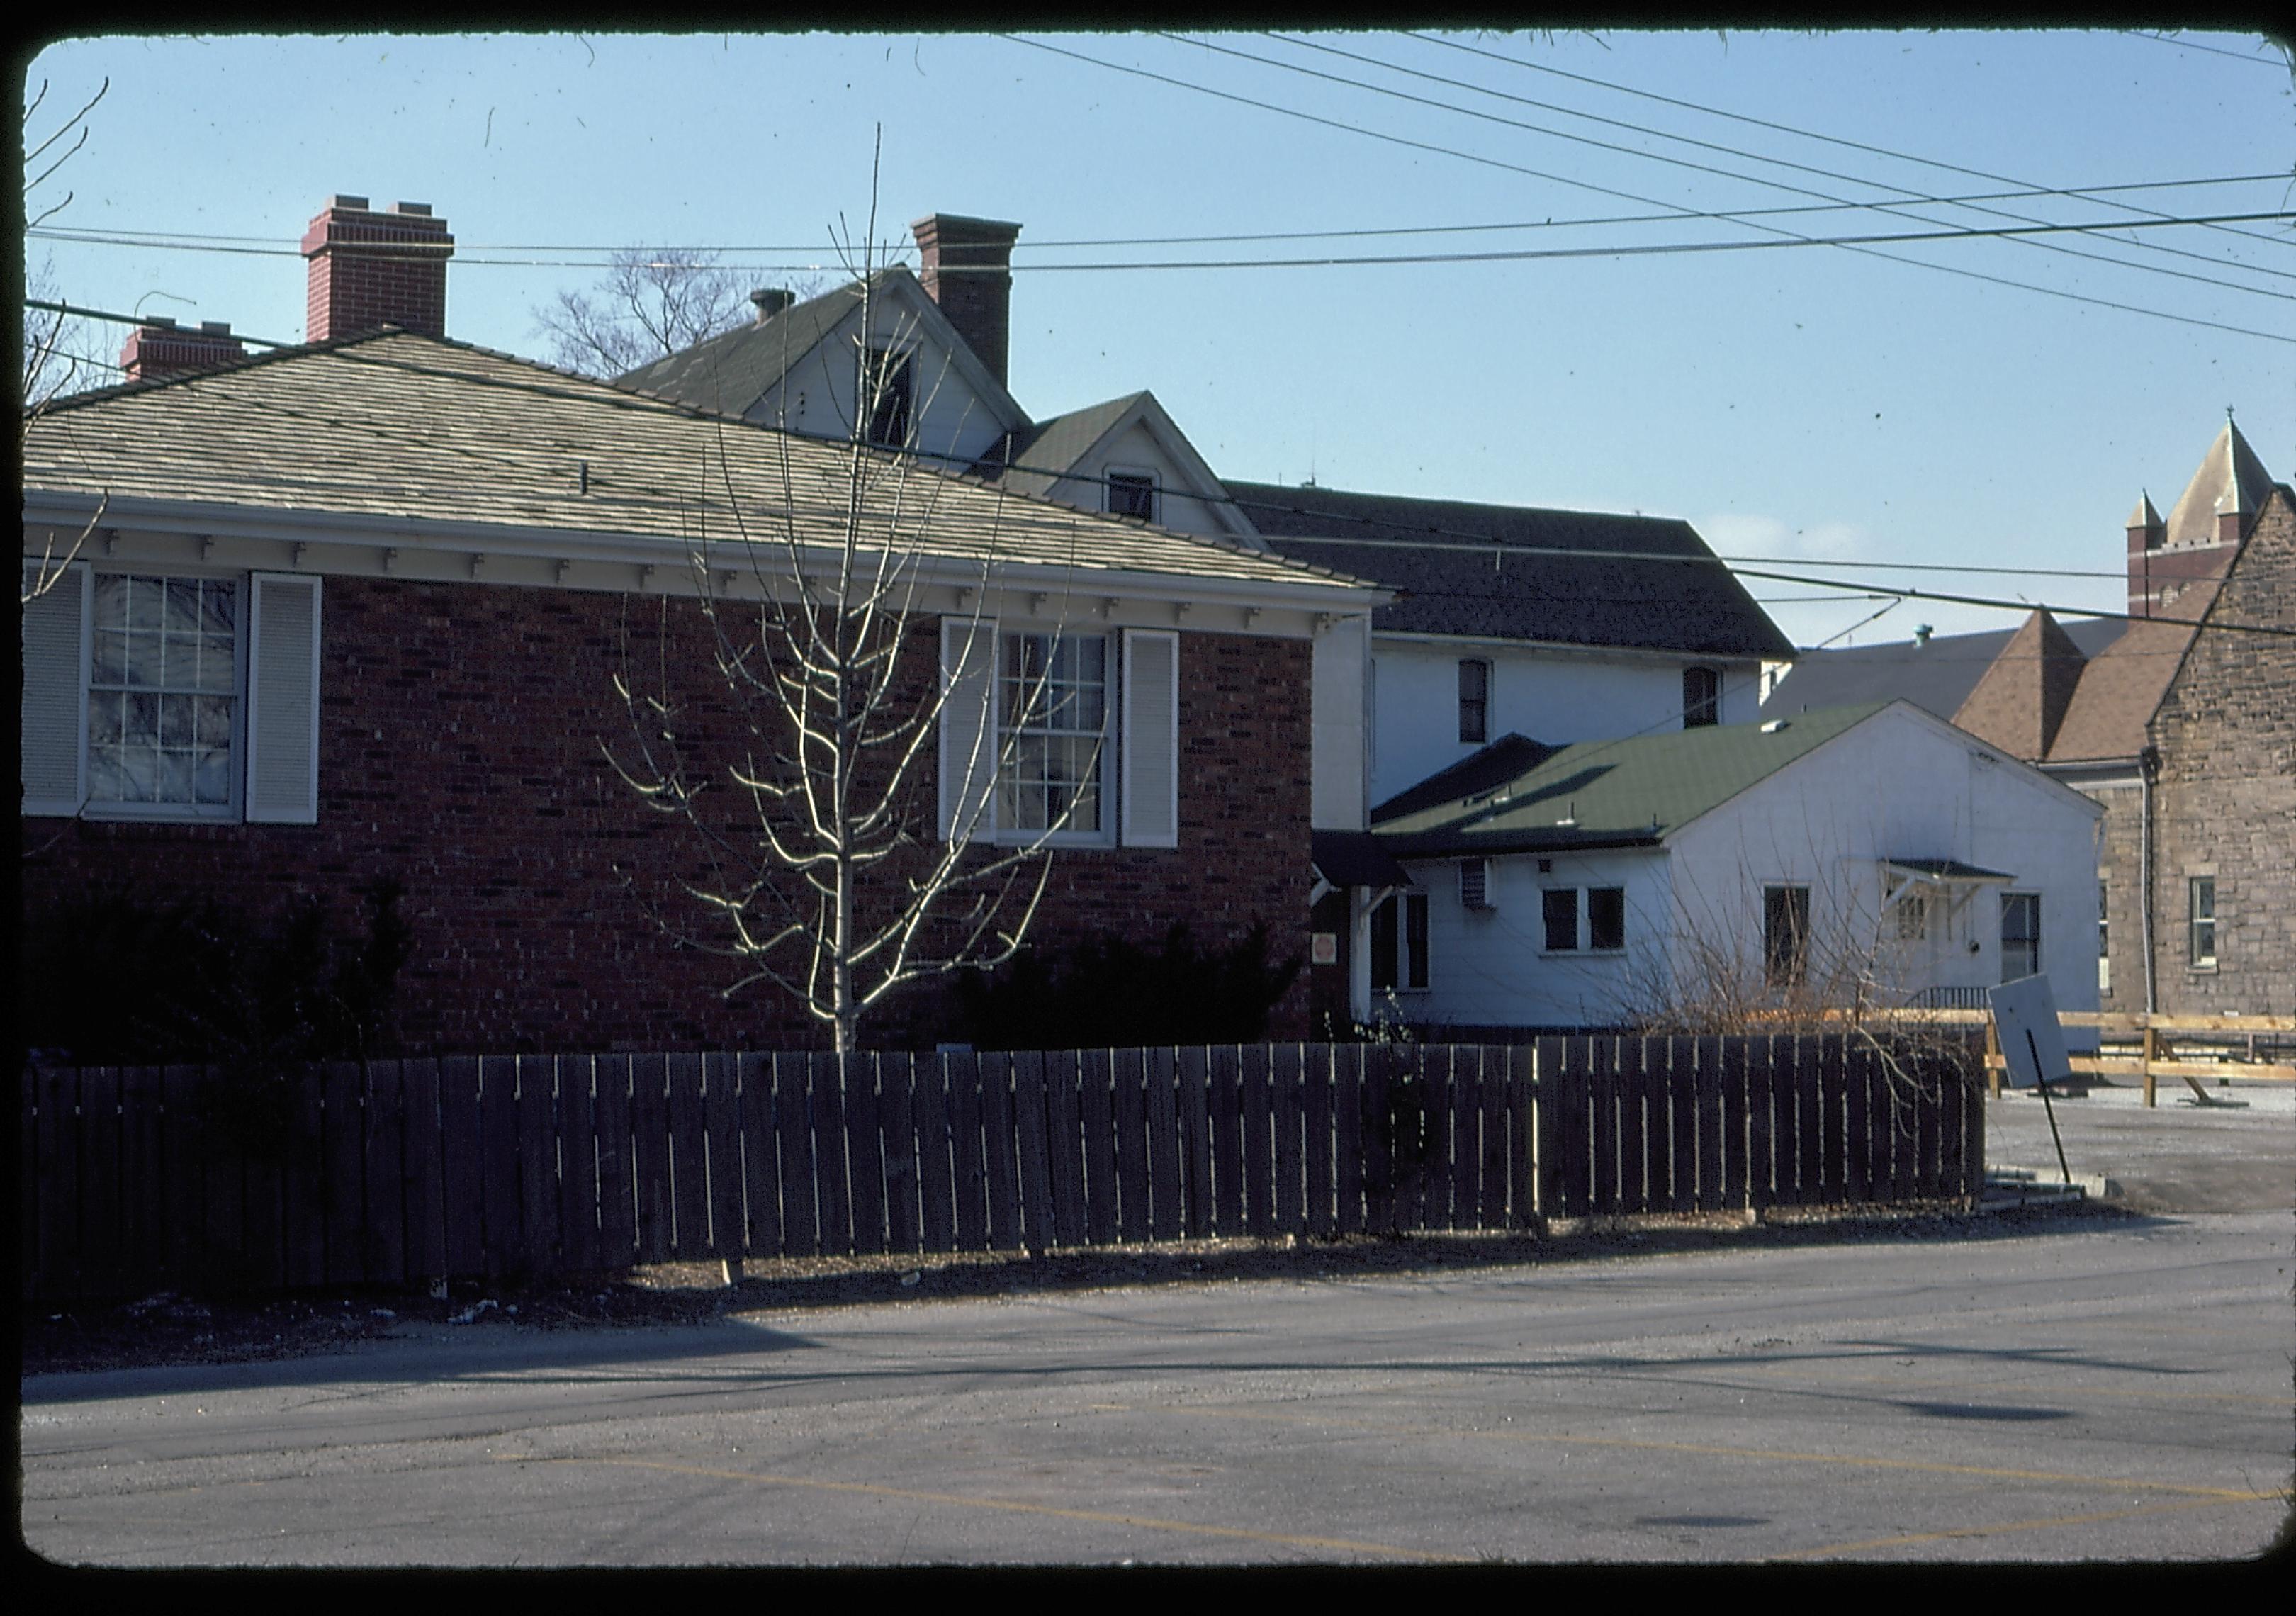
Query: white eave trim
[1571,647]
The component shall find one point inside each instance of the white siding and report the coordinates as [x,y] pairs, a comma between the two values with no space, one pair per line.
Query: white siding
[947,416]
[1554,695]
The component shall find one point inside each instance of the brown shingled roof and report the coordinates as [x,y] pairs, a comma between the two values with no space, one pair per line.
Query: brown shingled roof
[2022,699]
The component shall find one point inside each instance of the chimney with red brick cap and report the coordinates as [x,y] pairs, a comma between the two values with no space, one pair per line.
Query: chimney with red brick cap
[370,268]
[160,347]
[965,265]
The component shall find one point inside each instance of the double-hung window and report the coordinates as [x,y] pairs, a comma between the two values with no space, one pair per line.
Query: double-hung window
[1475,701]
[1052,710]
[1059,735]
[1786,935]
[1606,920]
[2200,902]
[155,695]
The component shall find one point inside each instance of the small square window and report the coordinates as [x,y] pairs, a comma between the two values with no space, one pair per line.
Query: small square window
[1132,494]
[887,396]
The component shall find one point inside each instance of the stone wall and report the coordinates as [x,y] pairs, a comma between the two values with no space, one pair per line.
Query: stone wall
[2225,799]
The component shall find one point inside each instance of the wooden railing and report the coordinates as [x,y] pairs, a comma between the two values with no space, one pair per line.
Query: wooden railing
[2155,1036]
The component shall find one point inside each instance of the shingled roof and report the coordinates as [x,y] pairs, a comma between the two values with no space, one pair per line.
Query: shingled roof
[732,371]
[1627,593]
[414,431]
[1633,792]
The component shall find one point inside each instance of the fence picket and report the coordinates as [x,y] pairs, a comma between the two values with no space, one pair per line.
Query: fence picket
[1194,1067]
[1439,1164]
[1257,1181]
[832,1168]
[423,1159]
[1856,1114]
[342,1168]
[897,1131]
[383,1249]
[1064,1144]
[577,1164]
[1096,1118]
[1929,1119]
[688,1171]
[1491,1127]
[967,1081]
[1225,1104]
[1286,1075]
[1129,1097]
[1000,1157]
[1030,1117]
[1379,1140]
[1682,1123]
[611,1088]
[1166,1215]
[1832,1111]
[146,1208]
[1762,1123]
[1320,1206]
[721,1145]
[98,1136]
[800,1217]
[1347,1112]
[649,1168]
[929,1103]
[1810,1119]
[462,1168]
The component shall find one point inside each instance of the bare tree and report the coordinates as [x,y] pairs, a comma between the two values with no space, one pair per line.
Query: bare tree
[650,304]
[51,358]
[827,874]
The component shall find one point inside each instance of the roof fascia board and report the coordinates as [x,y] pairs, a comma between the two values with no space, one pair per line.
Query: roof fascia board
[1565,647]
[70,512]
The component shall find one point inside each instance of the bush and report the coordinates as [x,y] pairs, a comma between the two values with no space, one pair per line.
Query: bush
[1111,994]
[109,980]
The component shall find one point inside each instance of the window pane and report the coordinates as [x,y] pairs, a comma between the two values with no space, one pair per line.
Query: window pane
[1560,910]
[144,598]
[1606,917]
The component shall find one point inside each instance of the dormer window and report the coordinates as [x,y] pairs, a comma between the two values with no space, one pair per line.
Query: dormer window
[887,386]
[1132,494]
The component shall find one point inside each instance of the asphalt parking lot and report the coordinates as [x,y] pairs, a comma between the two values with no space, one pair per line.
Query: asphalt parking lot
[2236,1155]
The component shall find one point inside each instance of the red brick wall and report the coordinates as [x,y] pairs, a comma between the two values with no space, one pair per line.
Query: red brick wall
[460,752]
[370,269]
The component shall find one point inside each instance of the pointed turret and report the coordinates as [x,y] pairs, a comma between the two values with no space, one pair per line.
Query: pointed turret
[2229,487]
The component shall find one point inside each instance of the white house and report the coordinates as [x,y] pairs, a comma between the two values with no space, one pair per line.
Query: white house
[1608,881]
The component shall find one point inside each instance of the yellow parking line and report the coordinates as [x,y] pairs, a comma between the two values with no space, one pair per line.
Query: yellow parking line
[1146,1522]
[1857,1461]
[2014,1526]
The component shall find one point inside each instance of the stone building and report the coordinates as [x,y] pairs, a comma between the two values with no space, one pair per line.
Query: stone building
[2178,721]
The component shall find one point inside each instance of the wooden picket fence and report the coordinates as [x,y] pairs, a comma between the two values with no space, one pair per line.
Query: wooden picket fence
[392,1172]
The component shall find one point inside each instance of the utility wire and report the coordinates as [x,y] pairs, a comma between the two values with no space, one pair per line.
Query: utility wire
[1440,539]
[1607,190]
[2213,50]
[1912,197]
[1604,84]
[167,238]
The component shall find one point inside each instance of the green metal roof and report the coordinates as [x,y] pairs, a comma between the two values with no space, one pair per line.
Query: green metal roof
[1633,792]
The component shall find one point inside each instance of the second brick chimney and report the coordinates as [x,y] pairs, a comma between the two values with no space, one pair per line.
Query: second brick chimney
[965,265]
[160,347]
[370,268]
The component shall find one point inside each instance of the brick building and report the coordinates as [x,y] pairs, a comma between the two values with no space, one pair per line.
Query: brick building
[2177,721]
[355,610]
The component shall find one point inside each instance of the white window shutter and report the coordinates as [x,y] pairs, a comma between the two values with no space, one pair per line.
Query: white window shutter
[53,711]
[282,700]
[1152,738]
[968,727]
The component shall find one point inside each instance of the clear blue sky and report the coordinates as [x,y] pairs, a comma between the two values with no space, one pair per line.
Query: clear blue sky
[1807,401]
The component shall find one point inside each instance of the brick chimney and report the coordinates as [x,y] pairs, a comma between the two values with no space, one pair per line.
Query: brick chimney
[370,268]
[771,301]
[965,265]
[160,347]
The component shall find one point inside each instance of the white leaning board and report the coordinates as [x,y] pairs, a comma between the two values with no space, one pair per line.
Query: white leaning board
[2025,1020]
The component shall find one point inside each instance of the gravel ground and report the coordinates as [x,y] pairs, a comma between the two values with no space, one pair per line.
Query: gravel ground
[172,1329]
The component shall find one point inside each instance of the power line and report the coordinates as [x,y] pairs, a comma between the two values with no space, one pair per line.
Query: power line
[2212,50]
[1911,196]
[1444,539]
[1509,255]
[1535,67]
[1605,190]
[279,247]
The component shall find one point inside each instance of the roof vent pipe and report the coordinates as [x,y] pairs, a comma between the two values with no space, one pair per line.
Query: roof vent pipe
[771,301]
